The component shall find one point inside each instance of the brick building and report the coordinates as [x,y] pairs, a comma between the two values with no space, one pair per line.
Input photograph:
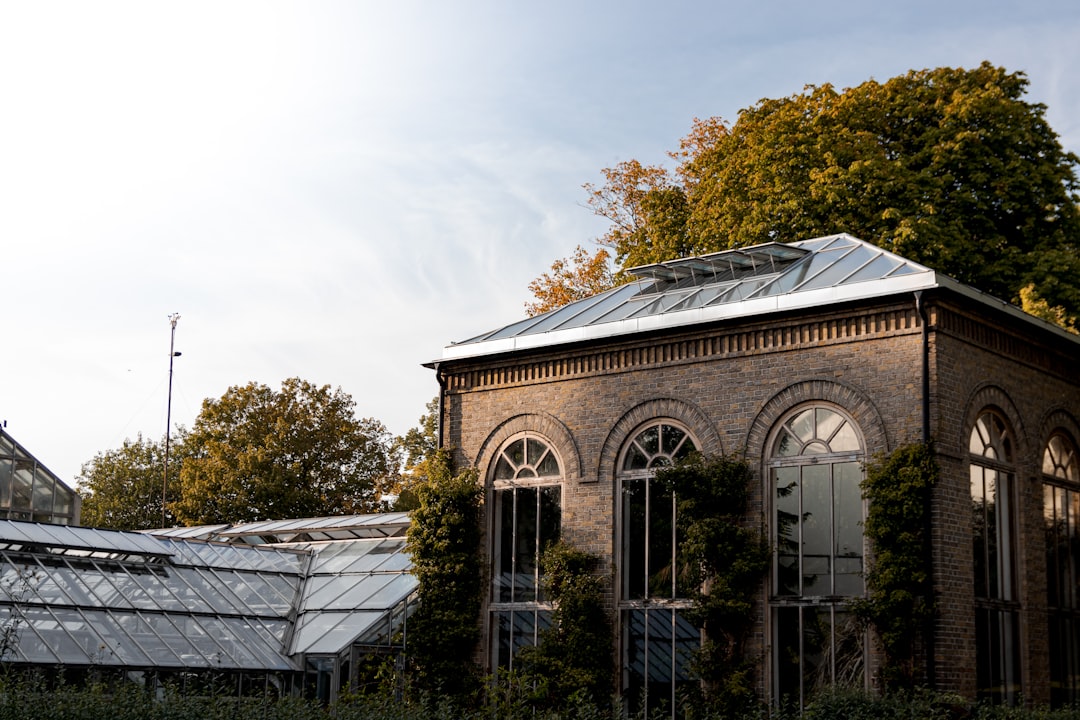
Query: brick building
[807,359]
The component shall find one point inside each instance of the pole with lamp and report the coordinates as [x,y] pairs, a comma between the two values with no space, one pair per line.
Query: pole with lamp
[168,413]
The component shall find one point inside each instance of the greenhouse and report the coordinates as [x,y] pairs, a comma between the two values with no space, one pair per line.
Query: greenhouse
[29,491]
[282,607]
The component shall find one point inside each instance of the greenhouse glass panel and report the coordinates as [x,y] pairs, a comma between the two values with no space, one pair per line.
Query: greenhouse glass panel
[390,594]
[136,627]
[840,269]
[5,482]
[339,635]
[117,647]
[118,590]
[200,588]
[71,636]
[22,485]
[176,637]
[31,645]
[323,590]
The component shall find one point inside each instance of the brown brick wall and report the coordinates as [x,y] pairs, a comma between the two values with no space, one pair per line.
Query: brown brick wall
[730,384]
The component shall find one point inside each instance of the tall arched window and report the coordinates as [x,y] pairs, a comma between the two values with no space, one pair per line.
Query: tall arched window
[815,469]
[526,498]
[997,638]
[1061,513]
[657,639]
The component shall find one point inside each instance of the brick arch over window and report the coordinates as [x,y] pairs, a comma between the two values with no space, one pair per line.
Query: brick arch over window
[695,420]
[853,402]
[1059,420]
[991,397]
[544,425]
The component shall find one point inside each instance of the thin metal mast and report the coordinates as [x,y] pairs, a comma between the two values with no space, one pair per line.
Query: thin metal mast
[168,414]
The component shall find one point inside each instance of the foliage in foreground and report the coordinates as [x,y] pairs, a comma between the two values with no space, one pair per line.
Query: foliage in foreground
[444,541]
[899,600]
[726,558]
[22,699]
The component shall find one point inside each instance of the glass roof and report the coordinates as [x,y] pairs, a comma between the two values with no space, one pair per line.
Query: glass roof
[82,596]
[734,283]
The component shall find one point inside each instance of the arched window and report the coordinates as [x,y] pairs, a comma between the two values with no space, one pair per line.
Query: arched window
[1061,513]
[657,639]
[997,640]
[526,498]
[815,469]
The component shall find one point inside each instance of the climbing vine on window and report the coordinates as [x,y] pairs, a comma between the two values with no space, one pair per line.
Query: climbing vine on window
[724,561]
[444,540]
[899,601]
[572,663]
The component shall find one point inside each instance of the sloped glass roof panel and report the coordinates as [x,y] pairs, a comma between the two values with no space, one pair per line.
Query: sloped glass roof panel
[326,633]
[843,268]
[118,646]
[390,594]
[712,287]
[259,595]
[200,588]
[140,631]
[801,272]
[56,639]
[174,635]
[371,592]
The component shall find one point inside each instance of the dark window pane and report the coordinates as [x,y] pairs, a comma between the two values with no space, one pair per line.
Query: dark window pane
[633,540]
[672,438]
[534,450]
[504,545]
[786,524]
[525,549]
[549,466]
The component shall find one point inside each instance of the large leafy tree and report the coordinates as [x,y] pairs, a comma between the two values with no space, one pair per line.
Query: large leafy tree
[258,453]
[949,167]
[122,489]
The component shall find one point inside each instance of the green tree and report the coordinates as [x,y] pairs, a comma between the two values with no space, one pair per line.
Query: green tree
[444,540]
[949,167]
[257,454]
[121,489]
[415,449]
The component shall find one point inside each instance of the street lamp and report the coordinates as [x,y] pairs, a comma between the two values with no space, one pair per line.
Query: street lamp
[168,414]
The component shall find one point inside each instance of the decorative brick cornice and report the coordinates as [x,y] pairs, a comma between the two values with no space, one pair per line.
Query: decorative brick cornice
[684,413]
[691,346]
[548,427]
[845,397]
[1007,343]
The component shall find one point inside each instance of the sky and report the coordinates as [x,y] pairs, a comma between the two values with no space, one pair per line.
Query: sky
[337,190]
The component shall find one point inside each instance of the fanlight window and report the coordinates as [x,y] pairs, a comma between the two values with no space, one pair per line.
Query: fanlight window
[656,446]
[527,457]
[816,431]
[1059,459]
